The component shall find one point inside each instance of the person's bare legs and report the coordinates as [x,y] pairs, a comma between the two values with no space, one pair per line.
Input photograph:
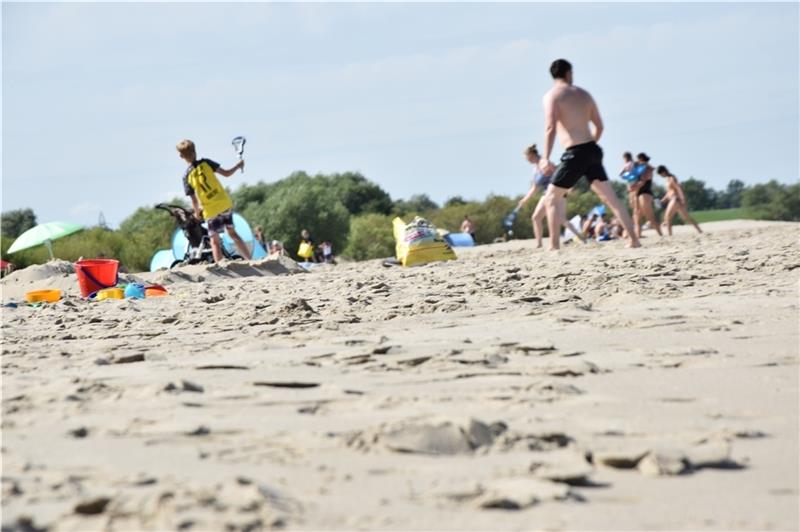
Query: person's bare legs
[685,215]
[240,245]
[587,226]
[556,213]
[600,228]
[536,218]
[646,207]
[669,215]
[637,218]
[634,205]
[606,194]
[216,247]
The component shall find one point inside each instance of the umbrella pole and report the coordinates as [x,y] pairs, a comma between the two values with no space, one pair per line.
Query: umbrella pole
[50,249]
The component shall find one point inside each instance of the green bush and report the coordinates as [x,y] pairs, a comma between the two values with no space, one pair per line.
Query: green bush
[487,217]
[418,203]
[773,201]
[90,243]
[371,237]
[304,203]
[144,232]
[16,222]
[357,194]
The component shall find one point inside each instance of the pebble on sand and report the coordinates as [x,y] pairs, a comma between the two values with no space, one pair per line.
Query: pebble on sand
[92,506]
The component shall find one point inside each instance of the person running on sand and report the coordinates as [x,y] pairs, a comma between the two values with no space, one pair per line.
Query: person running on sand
[540,183]
[677,200]
[569,110]
[200,183]
[643,188]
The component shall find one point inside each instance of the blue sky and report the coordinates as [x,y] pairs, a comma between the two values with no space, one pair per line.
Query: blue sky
[433,98]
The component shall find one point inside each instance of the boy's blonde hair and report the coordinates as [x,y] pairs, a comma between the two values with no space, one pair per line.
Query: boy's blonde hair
[532,150]
[186,149]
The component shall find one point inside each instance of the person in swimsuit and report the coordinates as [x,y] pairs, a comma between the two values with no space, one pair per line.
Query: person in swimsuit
[676,199]
[643,188]
[541,182]
[569,110]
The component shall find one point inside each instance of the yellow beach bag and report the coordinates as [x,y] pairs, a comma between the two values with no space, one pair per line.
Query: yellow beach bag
[419,243]
[305,251]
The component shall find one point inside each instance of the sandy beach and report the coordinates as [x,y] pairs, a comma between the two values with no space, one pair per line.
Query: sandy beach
[597,388]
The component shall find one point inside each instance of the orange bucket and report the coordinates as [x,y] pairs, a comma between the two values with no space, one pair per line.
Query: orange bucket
[96,274]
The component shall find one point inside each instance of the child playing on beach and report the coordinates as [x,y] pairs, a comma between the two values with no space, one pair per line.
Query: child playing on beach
[627,166]
[200,183]
[540,183]
[676,199]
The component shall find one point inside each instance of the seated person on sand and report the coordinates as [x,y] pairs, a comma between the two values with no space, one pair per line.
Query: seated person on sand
[675,200]
[596,227]
[468,226]
[591,227]
[540,183]
[643,188]
[276,249]
[615,228]
[201,184]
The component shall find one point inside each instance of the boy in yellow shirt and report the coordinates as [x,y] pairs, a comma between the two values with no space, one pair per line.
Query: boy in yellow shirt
[200,183]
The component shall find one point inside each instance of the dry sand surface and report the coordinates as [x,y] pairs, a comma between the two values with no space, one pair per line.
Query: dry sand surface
[595,388]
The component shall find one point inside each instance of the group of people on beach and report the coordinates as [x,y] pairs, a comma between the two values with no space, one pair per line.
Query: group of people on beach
[569,111]
[641,199]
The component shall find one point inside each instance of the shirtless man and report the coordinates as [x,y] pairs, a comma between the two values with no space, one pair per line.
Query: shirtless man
[569,110]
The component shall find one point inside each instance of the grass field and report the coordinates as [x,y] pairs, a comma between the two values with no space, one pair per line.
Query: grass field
[718,215]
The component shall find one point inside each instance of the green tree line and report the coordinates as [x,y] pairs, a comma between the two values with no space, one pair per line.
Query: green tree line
[355,215]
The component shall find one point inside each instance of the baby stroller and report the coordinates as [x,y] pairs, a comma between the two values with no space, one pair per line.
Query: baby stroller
[199,248]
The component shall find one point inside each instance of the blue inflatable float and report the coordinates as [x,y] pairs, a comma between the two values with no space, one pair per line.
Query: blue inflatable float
[459,240]
[633,175]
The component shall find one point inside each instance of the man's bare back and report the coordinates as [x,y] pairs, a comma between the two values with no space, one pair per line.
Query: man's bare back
[573,108]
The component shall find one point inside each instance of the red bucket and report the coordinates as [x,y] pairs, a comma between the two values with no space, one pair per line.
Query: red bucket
[96,274]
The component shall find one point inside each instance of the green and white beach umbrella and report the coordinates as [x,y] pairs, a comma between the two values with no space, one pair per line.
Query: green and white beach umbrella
[43,234]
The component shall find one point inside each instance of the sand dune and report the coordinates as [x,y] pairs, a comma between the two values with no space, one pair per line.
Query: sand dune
[594,388]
